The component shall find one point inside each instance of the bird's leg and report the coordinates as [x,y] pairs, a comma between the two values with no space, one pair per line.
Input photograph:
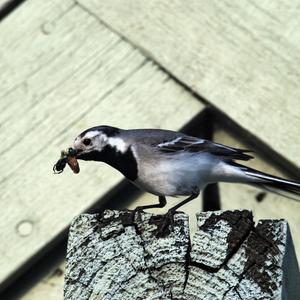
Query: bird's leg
[190,198]
[162,203]
[168,218]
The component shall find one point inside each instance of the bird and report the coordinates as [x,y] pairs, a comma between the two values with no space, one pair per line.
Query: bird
[167,163]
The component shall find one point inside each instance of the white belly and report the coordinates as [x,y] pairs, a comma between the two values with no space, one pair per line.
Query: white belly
[175,176]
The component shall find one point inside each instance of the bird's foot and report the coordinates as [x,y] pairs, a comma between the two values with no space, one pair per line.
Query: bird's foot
[135,215]
[132,217]
[165,223]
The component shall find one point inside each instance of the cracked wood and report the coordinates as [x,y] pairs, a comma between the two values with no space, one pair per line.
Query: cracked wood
[228,258]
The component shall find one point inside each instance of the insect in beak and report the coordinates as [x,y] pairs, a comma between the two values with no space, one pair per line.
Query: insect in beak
[67,157]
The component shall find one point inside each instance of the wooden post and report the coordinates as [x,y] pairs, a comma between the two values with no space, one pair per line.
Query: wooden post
[228,258]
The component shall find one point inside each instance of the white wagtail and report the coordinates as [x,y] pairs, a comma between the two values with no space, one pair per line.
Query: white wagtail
[169,163]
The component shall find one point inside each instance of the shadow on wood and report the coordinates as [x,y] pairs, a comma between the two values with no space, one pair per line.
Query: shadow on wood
[228,258]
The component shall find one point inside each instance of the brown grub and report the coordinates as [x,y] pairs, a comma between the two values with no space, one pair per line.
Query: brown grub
[73,164]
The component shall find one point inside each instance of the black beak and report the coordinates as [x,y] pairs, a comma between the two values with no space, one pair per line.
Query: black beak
[78,153]
[73,152]
[91,155]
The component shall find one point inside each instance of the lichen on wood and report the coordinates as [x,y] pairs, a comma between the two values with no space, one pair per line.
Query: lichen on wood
[110,257]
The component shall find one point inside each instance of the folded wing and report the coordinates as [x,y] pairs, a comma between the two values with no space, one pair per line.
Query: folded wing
[192,144]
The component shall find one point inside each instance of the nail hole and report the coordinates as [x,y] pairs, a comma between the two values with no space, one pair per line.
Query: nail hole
[47,28]
[24,228]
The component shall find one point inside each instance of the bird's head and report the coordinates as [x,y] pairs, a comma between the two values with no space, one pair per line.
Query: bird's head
[91,143]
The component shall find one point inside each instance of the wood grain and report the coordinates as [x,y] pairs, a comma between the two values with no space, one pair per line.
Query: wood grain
[229,258]
[122,264]
[62,72]
[243,57]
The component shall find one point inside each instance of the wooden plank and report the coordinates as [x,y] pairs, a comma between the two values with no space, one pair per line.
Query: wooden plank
[229,258]
[118,267]
[272,206]
[70,73]
[242,57]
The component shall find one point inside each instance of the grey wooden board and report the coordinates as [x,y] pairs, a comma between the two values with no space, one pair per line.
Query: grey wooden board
[110,260]
[242,56]
[247,261]
[61,71]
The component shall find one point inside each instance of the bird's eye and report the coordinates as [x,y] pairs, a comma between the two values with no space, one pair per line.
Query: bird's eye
[87,142]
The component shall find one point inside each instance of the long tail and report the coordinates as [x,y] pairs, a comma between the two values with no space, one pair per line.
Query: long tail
[280,186]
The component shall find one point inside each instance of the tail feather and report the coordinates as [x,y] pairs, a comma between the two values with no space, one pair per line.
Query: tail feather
[280,186]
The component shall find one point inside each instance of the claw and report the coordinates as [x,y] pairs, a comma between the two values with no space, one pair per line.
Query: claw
[165,223]
[132,218]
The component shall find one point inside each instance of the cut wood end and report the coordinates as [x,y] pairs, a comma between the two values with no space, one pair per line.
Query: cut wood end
[229,257]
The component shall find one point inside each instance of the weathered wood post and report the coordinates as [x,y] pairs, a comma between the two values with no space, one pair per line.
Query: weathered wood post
[228,258]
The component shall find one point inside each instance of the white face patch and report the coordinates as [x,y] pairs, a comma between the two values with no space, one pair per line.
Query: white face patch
[99,140]
[91,134]
[117,143]
[77,143]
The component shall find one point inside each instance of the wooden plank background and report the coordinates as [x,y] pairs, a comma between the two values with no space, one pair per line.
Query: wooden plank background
[67,65]
[243,57]
[61,72]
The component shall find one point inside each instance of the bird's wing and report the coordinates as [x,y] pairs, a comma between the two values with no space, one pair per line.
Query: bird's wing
[150,137]
[192,144]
